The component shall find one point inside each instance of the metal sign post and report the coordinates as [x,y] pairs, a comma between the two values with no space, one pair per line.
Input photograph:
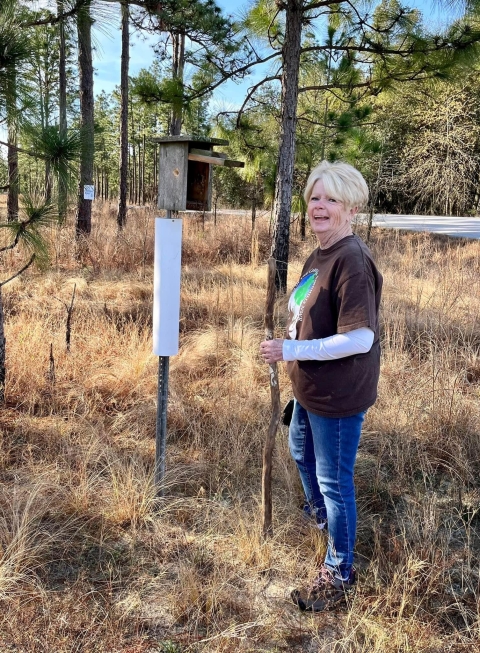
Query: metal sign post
[166,316]
[161,424]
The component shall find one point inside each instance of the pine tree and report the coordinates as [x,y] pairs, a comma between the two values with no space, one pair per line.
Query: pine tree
[84,206]
[122,193]
[367,52]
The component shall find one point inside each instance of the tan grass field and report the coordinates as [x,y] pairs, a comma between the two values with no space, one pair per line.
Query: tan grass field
[91,561]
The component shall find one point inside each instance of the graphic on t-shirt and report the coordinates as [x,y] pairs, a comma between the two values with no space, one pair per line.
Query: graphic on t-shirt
[297,300]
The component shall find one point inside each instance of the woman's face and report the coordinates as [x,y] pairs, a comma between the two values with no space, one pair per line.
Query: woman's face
[328,216]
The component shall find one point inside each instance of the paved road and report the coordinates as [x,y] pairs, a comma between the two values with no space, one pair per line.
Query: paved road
[460,227]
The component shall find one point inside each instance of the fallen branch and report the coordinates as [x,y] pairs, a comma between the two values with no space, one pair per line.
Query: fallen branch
[68,326]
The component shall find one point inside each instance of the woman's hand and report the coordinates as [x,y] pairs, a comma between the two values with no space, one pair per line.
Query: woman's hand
[272,350]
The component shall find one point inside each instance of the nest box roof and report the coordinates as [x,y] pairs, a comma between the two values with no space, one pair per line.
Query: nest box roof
[190,139]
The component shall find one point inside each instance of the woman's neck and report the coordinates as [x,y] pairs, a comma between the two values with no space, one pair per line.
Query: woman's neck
[327,240]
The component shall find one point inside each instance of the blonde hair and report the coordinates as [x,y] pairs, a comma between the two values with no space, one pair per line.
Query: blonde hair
[341,181]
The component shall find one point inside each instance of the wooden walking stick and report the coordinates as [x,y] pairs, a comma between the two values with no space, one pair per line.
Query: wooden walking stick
[275,416]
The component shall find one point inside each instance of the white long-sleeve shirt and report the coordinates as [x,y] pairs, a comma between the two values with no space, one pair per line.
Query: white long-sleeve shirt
[358,341]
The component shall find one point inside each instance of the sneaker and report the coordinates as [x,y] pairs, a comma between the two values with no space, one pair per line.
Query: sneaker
[325,592]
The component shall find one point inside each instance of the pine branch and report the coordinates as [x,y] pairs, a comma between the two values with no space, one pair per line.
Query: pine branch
[53,19]
[363,21]
[17,274]
[17,237]
[328,87]
[319,5]
[230,74]
[251,92]
[20,149]
[440,46]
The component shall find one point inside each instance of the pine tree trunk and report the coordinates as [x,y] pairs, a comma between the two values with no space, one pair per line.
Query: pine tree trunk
[286,157]
[302,224]
[139,175]
[143,169]
[12,155]
[135,180]
[12,152]
[62,100]
[177,73]
[84,28]
[122,192]
[153,188]
[48,181]
[45,100]
[130,175]
[133,159]
[2,352]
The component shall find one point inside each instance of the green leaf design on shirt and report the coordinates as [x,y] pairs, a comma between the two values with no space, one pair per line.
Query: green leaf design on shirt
[304,287]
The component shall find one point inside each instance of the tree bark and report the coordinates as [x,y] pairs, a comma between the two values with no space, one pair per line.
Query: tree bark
[83,225]
[12,151]
[48,181]
[2,352]
[122,193]
[142,194]
[133,159]
[275,416]
[286,156]
[302,224]
[155,162]
[254,205]
[62,101]
[139,174]
[177,73]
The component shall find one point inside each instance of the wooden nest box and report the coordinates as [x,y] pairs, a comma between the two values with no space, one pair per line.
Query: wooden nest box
[185,171]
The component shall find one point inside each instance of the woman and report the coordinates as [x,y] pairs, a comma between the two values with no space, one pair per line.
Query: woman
[333,353]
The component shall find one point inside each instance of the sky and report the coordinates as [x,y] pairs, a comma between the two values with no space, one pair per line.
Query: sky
[107,62]
[230,95]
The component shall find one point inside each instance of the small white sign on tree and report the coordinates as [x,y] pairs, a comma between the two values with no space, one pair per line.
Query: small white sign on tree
[89,192]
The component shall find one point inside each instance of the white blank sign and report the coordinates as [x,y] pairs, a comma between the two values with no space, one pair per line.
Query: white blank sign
[166,286]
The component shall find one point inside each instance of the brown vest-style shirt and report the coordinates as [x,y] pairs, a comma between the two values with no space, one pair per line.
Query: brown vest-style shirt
[339,291]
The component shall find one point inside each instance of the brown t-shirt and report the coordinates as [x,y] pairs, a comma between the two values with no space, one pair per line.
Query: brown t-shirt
[339,291]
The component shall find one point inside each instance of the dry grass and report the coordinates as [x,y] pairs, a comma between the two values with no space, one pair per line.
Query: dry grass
[91,561]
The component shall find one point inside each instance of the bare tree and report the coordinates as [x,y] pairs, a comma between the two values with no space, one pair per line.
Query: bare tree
[122,194]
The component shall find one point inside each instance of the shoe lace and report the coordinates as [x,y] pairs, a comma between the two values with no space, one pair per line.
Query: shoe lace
[325,577]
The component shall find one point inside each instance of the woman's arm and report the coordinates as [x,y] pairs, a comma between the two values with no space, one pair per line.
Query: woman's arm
[358,341]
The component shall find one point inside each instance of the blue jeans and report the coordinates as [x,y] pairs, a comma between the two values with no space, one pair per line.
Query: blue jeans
[325,449]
